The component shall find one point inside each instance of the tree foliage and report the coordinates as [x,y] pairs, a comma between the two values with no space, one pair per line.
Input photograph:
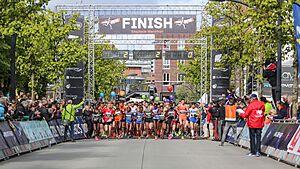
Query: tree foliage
[108,72]
[246,36]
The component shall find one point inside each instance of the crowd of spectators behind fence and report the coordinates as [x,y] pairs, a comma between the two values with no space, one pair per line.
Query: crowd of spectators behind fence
[26,109]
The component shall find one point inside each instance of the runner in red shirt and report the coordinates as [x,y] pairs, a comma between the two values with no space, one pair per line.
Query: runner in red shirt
[108,114]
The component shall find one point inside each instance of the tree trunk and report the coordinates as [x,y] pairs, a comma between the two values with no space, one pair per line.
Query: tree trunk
[32,87]
[241,82]
[295,86]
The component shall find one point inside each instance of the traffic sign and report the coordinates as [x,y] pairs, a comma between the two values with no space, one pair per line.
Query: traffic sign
[147,54]
[179,55]
[116,54]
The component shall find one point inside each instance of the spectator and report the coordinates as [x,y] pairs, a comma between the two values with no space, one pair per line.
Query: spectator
[268,106]
[282,111]
[215,114]
[208,128]
[255,114]
[43,110]
[2,109]
[221,110]
[87,116]
[298,112]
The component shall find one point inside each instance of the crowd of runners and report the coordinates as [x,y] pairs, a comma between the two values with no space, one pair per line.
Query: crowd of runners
[144,120]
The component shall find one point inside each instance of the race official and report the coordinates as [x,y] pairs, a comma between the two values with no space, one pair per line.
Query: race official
[255,115]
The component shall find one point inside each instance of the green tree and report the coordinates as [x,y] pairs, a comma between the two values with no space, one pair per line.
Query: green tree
[44,51]
[108,72]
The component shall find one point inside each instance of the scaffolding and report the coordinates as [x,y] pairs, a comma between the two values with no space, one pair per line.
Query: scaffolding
[93,12]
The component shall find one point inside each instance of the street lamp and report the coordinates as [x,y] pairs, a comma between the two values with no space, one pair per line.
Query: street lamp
[279,47]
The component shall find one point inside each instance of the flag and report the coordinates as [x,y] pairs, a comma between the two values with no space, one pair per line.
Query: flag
[296,12]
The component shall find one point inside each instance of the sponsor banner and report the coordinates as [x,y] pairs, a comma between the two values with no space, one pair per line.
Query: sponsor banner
[8,134]
[294,144]
[78,130]
[230,135]
[220,77]
[19,133]
[279,135]
[74,83]
[36,130]
[296,13]
[244,138]
[53,127]
[3,144]
[79,23]
[148,24]
[62,129]
[287,82]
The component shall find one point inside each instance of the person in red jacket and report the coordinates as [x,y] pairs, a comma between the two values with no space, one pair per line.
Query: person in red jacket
[255,115]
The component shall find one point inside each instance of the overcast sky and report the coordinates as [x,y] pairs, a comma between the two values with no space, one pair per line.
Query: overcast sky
[53,3]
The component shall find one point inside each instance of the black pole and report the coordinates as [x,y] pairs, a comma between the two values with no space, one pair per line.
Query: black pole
[279,58]
[13,67]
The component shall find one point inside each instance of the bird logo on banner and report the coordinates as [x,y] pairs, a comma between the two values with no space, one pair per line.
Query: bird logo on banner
[109,22]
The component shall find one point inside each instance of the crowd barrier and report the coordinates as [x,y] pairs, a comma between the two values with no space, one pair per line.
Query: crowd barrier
[280,140]
[18,137]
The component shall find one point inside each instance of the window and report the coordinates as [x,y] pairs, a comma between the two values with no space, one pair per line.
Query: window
[166,63]
[180,62]
[181,45]
[166,79]
[180,77]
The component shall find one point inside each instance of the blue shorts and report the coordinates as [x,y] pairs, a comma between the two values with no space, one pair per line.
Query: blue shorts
[128,121]
[139,121]
[193,120]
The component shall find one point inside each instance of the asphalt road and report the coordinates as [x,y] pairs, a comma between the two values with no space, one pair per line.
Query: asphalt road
[141,154]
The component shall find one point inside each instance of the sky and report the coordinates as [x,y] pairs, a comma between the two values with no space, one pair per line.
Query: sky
[53,3]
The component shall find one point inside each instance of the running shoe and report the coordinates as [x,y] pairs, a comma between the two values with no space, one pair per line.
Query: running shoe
[170,136]
[182,137]
[250,155]
[96,138]
[257,154]
[156,137]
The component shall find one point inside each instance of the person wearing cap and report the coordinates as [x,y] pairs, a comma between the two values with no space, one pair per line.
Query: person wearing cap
[255,115]
[68,117]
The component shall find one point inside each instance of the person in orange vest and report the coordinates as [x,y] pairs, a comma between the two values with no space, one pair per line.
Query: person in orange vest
[230,120]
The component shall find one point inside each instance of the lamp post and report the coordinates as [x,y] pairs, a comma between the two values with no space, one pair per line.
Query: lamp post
[279,47]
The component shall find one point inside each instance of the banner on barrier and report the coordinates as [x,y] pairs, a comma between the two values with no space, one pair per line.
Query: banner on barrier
[3,144]
[230,135]
[245,133]
[19,133]
[8,135]
[62,129]
[294,144]
[36,130]
[55,130]
[278,135]
[78,130]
